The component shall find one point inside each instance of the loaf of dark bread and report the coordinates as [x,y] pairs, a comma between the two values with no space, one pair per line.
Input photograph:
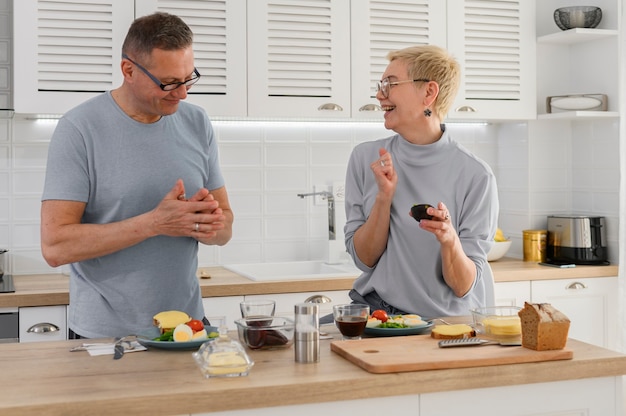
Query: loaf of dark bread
[543,327]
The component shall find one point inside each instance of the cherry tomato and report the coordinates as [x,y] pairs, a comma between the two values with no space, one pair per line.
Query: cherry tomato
[195,325]
[380,314]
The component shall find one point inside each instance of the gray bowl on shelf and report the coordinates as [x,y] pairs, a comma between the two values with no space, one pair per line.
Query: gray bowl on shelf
[577,16]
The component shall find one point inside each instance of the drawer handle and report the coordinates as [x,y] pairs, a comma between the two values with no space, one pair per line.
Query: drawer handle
[42,327]
[318,299]
[330,107]
[371,107]
[577,286]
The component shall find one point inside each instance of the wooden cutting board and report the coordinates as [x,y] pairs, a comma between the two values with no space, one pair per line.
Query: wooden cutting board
[419,353]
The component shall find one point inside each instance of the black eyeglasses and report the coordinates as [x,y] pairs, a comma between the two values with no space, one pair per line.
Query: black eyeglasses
[384,84]
[167,87]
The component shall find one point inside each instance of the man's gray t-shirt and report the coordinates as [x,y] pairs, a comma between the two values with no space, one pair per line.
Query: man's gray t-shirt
[122,168]
[409,275]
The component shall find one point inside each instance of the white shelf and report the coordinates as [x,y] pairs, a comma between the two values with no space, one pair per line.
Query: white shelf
[577,35]
[570,115]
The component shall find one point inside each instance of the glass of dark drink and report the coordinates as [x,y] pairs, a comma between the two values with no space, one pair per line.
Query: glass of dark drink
[351,319]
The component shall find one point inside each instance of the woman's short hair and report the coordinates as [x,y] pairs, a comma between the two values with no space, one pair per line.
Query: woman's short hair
[436,64]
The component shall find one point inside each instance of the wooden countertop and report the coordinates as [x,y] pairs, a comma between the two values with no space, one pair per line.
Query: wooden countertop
[45,378]
[52,289]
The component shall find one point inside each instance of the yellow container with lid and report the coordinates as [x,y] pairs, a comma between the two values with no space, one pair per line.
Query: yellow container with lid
[535,245]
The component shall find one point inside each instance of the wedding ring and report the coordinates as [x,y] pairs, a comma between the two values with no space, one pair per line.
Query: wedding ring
[382,163]
[447,217]
[197,227]
[182,197]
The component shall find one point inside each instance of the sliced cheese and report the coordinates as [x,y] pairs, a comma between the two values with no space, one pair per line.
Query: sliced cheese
[170,319]
[503,326]
[456,330]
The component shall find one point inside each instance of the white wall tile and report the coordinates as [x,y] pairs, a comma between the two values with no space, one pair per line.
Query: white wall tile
[5,185]
[5,157]
[266,164]
[285,179]
[285,154]
[236,154]
[30,156]
[28,182]
[5,130]
[26,208]
[25,235]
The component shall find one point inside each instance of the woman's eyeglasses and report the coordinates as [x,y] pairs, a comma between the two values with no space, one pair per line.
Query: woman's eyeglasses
[384,85]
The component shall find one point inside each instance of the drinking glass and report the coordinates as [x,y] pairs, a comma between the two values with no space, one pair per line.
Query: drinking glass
[351,319]
[256,308]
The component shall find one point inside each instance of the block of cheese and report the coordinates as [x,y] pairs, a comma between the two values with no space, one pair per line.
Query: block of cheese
[543,327]
[168,320]
[452,331]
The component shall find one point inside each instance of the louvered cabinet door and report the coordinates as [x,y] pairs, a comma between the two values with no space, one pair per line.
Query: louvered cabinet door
[380,26]
[66,51]
[219,45]
[494,40]
[299,58]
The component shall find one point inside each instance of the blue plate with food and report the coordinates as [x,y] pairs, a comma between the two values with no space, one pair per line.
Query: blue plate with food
[380,324]
[193,343]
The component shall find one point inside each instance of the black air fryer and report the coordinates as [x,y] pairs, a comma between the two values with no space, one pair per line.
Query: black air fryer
[576,240]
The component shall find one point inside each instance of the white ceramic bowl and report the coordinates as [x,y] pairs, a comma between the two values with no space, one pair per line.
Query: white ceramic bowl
[498,250]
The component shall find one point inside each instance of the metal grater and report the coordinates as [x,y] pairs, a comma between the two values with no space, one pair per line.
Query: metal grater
[462,342]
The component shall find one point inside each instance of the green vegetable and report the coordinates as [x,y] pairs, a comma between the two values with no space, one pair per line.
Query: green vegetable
[389,324]
[166,336]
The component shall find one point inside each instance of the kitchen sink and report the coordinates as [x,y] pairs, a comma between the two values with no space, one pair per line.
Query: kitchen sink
[293,270]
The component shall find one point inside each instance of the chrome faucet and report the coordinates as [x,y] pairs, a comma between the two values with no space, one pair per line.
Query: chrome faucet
[331,210]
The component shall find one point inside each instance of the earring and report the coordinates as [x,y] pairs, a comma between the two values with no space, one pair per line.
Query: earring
[427,112]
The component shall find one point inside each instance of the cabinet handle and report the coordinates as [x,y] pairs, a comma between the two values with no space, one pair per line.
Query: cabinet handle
[371,107]
[465,109]
[330,107]
[318,299]
[577,286]
[43,327]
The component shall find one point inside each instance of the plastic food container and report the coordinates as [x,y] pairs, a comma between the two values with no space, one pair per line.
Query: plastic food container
[498,322]
[266,332]
[223,358]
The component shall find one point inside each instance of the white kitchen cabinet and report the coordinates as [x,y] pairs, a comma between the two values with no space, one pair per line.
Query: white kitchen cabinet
[226,306]
[43,323]
[70,51]
[303,56]
[494,41]
[512,293]
[380,26]
[591,305]
[299,58]
[592,396]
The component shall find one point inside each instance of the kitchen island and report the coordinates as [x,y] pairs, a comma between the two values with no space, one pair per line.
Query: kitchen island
[45,378]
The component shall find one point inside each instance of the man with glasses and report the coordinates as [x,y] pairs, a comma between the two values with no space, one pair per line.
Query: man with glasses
[133,184]
[437,266]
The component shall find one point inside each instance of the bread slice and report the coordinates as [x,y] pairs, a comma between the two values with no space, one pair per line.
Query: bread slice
[168,320]
[452,331]
[543,327]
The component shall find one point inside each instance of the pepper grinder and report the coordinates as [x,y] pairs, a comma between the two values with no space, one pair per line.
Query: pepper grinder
[307,337]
